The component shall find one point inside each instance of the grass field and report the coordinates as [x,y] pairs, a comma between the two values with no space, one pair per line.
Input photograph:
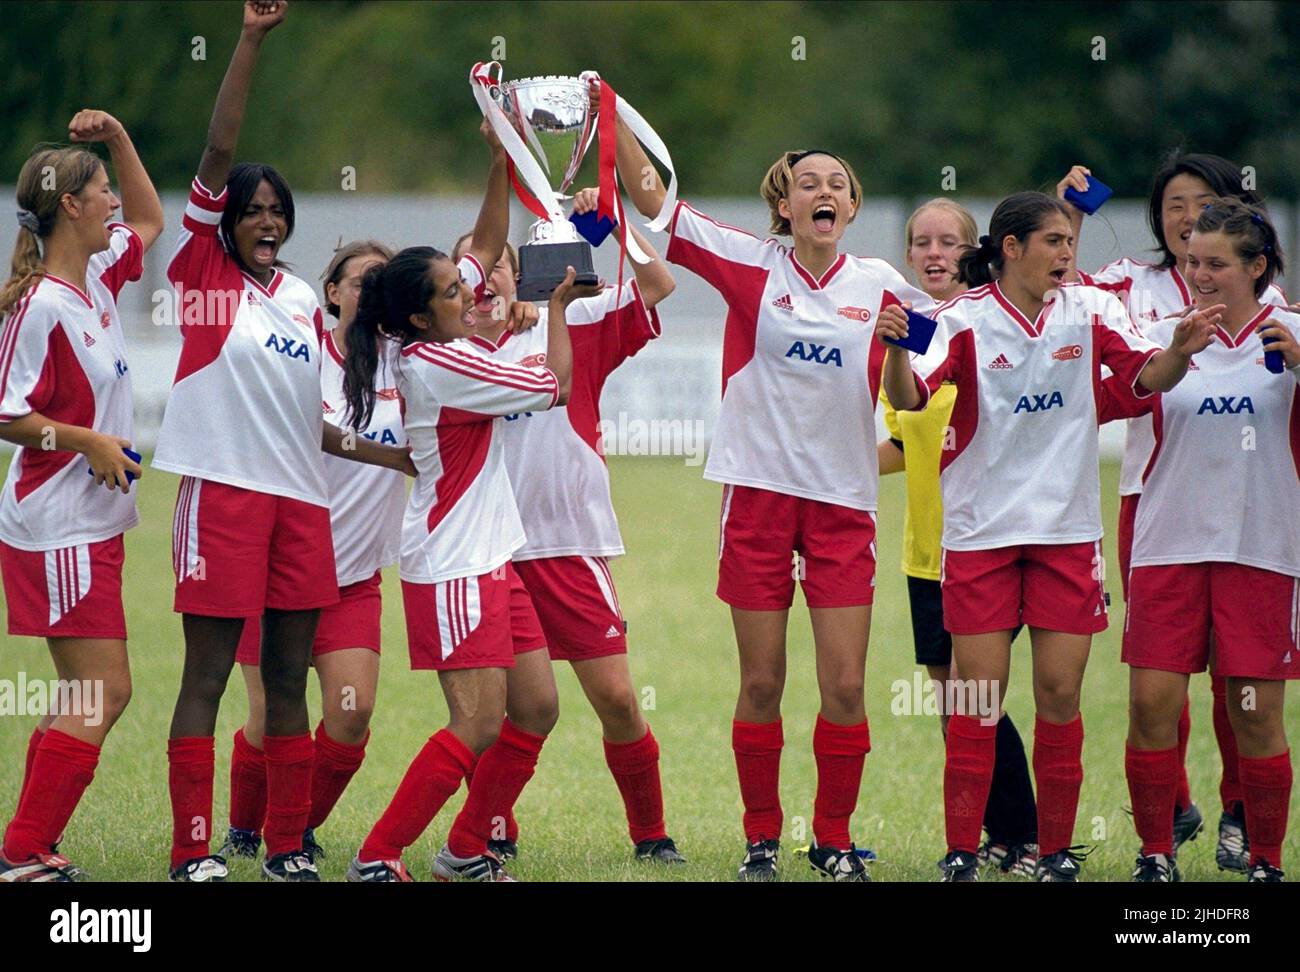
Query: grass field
[683,659]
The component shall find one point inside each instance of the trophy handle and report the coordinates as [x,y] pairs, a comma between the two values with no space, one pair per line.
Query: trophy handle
[494,80]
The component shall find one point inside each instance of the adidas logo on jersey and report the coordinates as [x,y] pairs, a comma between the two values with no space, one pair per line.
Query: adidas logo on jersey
[252,299]
[288,346]
[105,320]
[1068,353]
[1041,403]
[1229,405]
[301,319]
[1000,363]
[783,303]
[90,341]
[327,408]
[613,632]
[815,352]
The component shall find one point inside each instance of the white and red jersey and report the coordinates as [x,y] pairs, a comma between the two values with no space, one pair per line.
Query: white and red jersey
[800,368]
[366,502]
[461,519]
[245,406]
[63,354]
[555,460]
[1223,483]
[1150,293]
[1022,464]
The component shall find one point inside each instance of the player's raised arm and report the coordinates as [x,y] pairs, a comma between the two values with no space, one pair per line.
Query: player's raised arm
[654,279]
[141,208]
[640,177]
[492,229]
[1076,179]
[260,17]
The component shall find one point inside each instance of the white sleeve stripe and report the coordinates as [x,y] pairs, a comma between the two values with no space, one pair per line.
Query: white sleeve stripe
[525,379]
[200,215]
[9,340]
[490,369]
[202,196]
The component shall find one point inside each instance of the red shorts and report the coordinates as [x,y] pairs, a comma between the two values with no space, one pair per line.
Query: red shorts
[470,622]
[1128,508]
[237,552]
[1058,587]
[351,623]
[577,606]
[71,592]
[1253,614]
[759,535]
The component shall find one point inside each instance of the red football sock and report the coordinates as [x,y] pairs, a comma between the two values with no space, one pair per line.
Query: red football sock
[288,791]
[500,776]
[433,776]
[1183,798]
[758,764]
[1058,770]
[635,766]
[247,785]
[967,775]
[840,752]
[512,825]
[1266,787]
[1230,782]
[61,771]
[32,745]
[190,762]
[332,769]
[1152,784]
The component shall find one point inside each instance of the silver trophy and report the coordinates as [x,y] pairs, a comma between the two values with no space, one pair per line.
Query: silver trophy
[553,117]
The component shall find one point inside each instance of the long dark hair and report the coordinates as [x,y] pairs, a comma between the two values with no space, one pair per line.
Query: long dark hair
[241,186]
[390,294]
[1251,232]
[1223,178]
[1019,215]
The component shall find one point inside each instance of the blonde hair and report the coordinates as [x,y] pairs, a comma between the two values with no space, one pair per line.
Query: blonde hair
[967,229]
[776,185]
[342,254]
[71,168]
[458,251]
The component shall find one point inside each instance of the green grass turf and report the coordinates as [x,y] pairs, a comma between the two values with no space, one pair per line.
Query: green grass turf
[683,661]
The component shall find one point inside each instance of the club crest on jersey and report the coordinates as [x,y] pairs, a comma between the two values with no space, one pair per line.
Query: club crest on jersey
[90,341]
[288,346]
[301,319]
[384,437]
[105,321]
[387,394]
[534,360]
[815,352]
[1001,363]
[1040,403]
[1226,405]
[854,313]
[783,303]
[1068,353]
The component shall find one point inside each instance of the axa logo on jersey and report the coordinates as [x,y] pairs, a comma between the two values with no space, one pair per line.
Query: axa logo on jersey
[288,346]
[383,437]
[1226,405]
[818,353]
[1039,403]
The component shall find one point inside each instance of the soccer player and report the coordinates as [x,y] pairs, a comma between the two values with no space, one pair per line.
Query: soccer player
[1226,433]
[460,528]
[799,494]
[561,486]
[366,506]
[65,393]
[243,427]
[1183,185]
[1022,527]
[934,236]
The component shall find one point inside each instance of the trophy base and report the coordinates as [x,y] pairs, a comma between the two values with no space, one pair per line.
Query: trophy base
[542,268]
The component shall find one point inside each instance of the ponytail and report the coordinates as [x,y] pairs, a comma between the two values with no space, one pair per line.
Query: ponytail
[362,360]
[1019,215]
[38,200]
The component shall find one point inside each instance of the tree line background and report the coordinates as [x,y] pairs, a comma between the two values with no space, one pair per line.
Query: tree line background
[1008,94]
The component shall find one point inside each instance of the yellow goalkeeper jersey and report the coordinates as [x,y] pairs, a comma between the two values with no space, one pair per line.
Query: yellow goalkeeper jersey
[922,436]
